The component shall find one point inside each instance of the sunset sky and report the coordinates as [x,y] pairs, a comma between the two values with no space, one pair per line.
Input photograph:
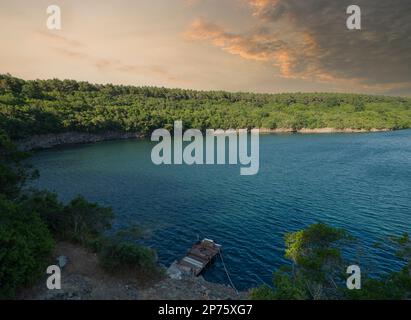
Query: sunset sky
[235,45]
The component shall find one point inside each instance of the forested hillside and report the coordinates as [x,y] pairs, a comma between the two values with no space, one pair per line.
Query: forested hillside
[52,106]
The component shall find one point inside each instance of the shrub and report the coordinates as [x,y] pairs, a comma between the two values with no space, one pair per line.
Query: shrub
[25,246]
[83,221]
[317,264]
[123,256]
[13,171]
[262,293]
[51,210]
[80,221]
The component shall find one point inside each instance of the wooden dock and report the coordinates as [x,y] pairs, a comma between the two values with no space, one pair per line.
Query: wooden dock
[197,259]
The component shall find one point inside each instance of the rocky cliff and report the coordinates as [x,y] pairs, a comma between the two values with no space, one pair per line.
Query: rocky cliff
[46,141]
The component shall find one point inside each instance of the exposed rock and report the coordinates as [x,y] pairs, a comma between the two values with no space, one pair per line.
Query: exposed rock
[174,272]
[45,141]
[319,130]
[190,288]
[62,261]
[74,287]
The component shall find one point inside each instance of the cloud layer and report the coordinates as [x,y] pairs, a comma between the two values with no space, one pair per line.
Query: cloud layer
[77,50]
[309,40]
[236,45]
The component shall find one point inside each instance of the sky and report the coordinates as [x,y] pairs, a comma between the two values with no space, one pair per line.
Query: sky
[235,45]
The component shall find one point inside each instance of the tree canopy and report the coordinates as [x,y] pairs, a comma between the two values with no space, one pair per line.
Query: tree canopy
[52,106]
[318,269]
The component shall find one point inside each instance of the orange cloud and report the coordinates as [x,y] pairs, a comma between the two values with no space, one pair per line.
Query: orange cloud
[258,46]
[261,4]
[265,8]
[377,56]
[303,50]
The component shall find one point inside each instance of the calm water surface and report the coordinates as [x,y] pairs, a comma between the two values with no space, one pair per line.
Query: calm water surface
[361,182]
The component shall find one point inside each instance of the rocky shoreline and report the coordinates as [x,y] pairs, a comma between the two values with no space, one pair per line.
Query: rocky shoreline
[46,141]
[319,130]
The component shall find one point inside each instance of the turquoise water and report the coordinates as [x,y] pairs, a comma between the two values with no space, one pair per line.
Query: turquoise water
[361,182]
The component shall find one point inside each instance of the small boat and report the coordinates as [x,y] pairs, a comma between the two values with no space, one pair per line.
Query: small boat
[201,255]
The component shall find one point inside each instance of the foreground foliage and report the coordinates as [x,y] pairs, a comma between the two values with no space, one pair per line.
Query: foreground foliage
[318,268]
[124,256]
[25,242]
[31,221]
[25,246]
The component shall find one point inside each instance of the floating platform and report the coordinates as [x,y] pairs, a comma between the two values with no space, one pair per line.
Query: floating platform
[197,259]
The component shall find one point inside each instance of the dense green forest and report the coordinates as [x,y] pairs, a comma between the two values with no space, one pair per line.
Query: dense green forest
[45,106]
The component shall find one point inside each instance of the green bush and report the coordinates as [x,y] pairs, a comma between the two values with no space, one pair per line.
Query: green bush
[394,286]
[318,269]
[316,250]
[80,221]
[263,293]
[83,221]
[25,247]
[51,210]
[14,172]
[122,256]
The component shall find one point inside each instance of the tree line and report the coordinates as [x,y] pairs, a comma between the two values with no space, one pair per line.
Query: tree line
[53,106]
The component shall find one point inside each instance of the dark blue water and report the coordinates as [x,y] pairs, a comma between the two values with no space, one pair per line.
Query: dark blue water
[361,182]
